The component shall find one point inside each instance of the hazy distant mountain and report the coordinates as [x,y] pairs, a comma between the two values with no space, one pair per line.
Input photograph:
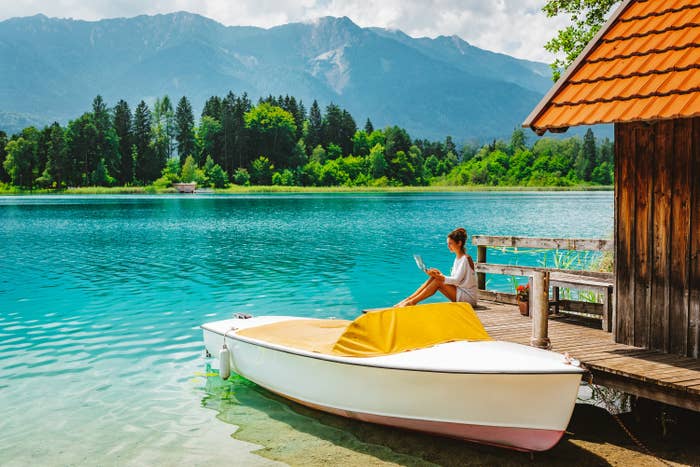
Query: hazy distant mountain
[52,69]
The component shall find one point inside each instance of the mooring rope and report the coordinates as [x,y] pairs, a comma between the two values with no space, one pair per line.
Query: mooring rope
[613,413]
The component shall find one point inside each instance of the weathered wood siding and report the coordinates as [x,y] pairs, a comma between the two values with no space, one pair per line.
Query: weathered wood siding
[657,232]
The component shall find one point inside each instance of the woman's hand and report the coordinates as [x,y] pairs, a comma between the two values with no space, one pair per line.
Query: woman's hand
[436,274]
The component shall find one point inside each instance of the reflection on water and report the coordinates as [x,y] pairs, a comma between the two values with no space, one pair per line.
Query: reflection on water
[101,298]
[294,434]
[297,435]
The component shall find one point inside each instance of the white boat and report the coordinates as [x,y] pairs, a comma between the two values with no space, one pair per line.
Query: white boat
[185,187]
[486,391]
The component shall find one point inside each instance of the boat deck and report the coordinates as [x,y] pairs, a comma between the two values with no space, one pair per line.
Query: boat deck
[666,378]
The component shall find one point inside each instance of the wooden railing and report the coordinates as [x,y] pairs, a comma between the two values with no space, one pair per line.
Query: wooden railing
[541,278]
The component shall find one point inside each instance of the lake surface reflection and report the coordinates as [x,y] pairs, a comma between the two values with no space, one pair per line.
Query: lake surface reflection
[101,297]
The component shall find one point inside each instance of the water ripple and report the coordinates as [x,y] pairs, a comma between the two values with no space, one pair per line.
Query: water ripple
[101,298]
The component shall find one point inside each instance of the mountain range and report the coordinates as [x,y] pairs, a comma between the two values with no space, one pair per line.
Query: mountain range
[53,68]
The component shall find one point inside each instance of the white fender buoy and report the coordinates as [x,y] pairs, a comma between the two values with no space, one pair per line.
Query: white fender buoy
[224,362]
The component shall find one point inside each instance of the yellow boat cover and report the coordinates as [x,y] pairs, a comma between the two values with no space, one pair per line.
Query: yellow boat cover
[382,332]
[395,330]
[312,335]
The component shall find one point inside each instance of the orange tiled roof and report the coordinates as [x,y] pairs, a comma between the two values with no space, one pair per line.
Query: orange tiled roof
[643,65]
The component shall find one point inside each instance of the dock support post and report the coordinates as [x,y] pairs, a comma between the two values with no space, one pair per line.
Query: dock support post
[539,309]
[480,276]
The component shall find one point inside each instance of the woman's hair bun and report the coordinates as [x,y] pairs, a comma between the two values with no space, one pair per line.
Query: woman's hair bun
[459,235]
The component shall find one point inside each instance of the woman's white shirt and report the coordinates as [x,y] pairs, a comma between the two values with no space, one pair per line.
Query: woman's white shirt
[463,277]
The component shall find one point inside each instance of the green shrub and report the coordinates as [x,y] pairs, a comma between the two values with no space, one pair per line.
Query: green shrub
[241,177]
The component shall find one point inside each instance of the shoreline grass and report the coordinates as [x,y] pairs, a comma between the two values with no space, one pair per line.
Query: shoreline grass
[237,189]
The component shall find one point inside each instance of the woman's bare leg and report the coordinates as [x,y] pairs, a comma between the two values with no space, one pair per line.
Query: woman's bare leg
[428,291]
[418,291]
[449,291]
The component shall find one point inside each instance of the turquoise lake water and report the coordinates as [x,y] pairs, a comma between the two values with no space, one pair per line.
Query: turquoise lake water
[101,297]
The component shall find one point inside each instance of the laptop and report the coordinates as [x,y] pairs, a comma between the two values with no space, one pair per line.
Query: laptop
[420,263]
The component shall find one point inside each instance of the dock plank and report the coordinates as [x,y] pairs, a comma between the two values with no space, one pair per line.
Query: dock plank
[668,378]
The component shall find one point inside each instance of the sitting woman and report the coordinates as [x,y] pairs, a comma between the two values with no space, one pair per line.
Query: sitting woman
[459,286]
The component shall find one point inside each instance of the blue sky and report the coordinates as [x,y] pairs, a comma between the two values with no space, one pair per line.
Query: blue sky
[515,27]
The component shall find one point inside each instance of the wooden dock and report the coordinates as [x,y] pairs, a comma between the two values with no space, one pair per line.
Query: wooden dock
[666,378]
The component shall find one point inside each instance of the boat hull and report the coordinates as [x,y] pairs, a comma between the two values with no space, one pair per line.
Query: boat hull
[528,411]
[520,439]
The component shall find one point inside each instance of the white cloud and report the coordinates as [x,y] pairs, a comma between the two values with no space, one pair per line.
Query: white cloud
[515,27]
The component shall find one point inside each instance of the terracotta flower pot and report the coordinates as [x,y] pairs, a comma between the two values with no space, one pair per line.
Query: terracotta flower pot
[524,307]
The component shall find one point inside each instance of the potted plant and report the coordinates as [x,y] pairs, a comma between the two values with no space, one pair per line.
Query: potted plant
[522,295]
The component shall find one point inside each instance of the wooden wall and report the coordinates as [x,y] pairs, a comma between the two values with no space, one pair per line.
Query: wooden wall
[657,232]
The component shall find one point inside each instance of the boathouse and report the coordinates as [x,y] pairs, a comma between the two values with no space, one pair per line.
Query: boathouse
[642,73]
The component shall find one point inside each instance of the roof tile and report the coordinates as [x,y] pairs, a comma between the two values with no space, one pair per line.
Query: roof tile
[655,24]
[645,66]
[692,105]
[592,71]
[638,9]
[655,106]
[592,113]
[628,87]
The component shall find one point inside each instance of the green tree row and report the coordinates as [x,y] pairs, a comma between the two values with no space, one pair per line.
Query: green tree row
[548,162]
[277,142]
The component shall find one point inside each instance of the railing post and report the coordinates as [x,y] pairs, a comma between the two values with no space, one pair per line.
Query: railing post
[481,258]
[539,308]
